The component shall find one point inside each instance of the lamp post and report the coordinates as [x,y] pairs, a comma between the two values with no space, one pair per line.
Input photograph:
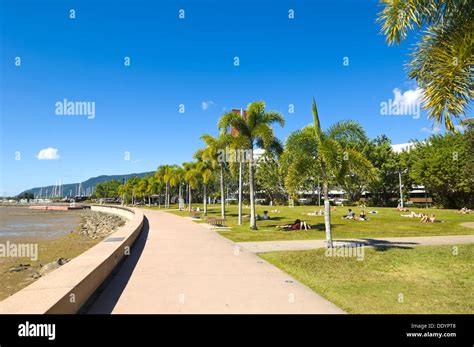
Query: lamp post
[401,185]
[401,190]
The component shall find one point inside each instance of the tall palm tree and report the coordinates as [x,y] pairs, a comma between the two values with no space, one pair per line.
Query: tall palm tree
[443,57]
[329,155]
[160,182]
[165,173]
[178,178]
[142,187]
[204,168]
[131,187]
[254,131]
[213,153]
[191,176]
[168,176]
[123,193]
[152,187]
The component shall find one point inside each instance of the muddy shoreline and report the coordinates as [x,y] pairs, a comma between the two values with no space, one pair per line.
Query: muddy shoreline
[53,251]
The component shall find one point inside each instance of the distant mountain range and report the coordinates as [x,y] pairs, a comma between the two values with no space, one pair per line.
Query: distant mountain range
[86,187]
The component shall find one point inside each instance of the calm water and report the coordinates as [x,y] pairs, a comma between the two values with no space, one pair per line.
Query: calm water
[23,222]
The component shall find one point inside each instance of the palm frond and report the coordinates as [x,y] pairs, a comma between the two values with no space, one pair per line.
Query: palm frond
[347,132]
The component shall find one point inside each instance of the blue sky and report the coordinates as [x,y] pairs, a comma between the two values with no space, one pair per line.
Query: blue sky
[181,61]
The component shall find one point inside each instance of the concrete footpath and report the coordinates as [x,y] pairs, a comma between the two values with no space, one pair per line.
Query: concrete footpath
[178,266]
[393,242]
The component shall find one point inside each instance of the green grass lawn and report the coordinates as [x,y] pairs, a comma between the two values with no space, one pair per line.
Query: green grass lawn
[387,223]
[418,280]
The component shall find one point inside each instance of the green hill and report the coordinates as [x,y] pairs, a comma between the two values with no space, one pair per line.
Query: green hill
[72,189]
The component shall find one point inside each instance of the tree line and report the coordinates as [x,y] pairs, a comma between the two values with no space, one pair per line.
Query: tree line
[311,159]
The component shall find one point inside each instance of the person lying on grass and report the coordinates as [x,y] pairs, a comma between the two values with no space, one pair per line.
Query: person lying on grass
[297,225]
[412,214]
[402,209]
[464,210]
[319,213]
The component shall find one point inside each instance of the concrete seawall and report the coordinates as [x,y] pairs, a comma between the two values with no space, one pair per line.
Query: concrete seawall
[68,288]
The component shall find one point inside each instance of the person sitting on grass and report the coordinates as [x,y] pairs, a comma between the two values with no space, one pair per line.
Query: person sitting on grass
[349,215]
[363,216]
[432,219]
[297,225]
[412,214]
[264,217]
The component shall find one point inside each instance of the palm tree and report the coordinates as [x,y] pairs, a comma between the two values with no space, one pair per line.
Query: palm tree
[178,178]
[442,59]
[166,174]
[329,155]
[123,193]
[159,182]
[142,187]
[131,187]
[191,176]
[152,187]
[254,131]
[215,146]
[204,168]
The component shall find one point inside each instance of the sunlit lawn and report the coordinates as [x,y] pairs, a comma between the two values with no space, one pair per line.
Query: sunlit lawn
[418,280]
[387,223]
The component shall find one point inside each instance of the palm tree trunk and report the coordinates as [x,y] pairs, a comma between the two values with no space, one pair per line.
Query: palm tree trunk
[222,192]
[187,194]
[166,195]
[180,197]
[205,199]
[253,221]
[240,193]
[190,199]
[327,215]
[169,196]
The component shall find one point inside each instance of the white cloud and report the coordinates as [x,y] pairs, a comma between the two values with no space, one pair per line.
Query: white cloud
[408,98]
[49,153]
[206,104]
[434,130]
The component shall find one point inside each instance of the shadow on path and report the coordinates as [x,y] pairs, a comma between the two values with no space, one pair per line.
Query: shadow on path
[380,245]
[108,296]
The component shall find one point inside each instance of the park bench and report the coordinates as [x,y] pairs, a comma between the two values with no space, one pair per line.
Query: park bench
[195,214]
[216,222]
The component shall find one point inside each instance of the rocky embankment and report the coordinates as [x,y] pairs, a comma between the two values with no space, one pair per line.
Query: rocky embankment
[98,225]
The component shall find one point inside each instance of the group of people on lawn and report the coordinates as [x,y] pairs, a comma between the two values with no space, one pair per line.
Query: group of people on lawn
[297,225]
[302,225]
[424,218]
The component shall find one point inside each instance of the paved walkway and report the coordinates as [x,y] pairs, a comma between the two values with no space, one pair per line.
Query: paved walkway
[393,242]
[178,266]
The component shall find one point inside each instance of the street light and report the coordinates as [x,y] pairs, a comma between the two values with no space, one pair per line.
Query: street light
[400,183]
